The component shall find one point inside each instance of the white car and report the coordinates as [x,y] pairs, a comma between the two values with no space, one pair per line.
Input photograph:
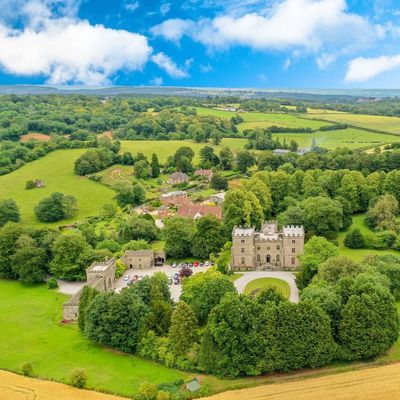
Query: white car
[126,278]
[207,264]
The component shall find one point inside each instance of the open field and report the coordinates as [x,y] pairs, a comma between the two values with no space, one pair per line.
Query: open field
[16,387]
[166,148]
[36,136]
[33,334]
[381,383]
[377,122]
[281,286]
[56,169]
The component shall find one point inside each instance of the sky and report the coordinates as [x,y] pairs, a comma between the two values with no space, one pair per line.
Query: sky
[201,43]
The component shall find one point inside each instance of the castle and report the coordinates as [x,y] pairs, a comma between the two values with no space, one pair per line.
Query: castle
[268,248]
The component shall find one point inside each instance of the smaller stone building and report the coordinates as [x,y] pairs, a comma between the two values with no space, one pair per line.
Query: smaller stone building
[178,178]
[100,276]
[143,259]
[205,174]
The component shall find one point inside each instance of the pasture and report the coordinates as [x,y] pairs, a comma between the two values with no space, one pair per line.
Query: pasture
[166,148]
[376,122]
[56,169]
[258,284]
[30,331]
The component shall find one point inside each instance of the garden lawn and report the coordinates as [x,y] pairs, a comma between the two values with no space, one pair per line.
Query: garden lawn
[30,332]
[258,284]
[166,148]
[56,169]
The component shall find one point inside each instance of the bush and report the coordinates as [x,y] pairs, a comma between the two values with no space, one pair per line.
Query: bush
[162,395]
[354,239]
[78,378]
[147,391]
[52,283]
[30,185]
[27,369]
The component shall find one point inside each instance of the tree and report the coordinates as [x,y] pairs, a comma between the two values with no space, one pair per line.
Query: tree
[392,184]
[204,291]
[56,207]
[71,257]
[218,182]
[138,194]
[223,259]
[207,157]
[183,330]
[136,228]
[369,325]
[29,261]
[142,169]
[87,296]
[178,233]
[226,158]
[334,268]
[354,239]
[382,214]
[316,251]
[9,211]
[208,236]
[244,160]
[78,378]
[155,166]
[269,295]
[234,342]
[124,196]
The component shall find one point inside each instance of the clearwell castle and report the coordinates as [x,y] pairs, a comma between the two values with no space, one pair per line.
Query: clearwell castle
[268,248]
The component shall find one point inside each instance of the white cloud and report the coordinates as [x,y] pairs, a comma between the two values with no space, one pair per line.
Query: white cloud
[164,9]
[169,66]
[173,29]
[287,64]
[132,6]
[206,68]
[363,69]
[311,26]
[157,81]
[67,50]
[325,59]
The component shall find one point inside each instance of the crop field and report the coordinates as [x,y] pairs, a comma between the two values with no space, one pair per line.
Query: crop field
[166,148]
[378,122]
[30,332]
[56,169]
[258,284]
[16,387]
[368,384]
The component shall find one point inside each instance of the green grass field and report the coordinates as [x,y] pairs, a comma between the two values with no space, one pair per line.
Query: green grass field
[56,169]
[359,254]
[281,286]
[30,332]
[378,122]
[166,148]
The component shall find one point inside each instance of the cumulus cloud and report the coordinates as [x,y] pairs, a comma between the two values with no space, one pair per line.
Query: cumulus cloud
[168,65]
[310,25]
[363,69]
[67,50]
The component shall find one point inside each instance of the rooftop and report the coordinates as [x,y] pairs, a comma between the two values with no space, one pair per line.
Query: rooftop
[293,230]
[101,266]
[146,252]
[243,231]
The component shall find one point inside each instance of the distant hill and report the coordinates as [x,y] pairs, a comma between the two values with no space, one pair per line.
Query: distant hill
[301,94]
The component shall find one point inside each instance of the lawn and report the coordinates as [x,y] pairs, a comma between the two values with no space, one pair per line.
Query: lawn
[30,332]
[377,122]
[281,286]
[166,148]
[56,169]
[359,254]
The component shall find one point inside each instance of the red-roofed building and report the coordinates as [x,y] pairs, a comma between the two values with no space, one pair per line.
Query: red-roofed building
[176,201]
[196,211]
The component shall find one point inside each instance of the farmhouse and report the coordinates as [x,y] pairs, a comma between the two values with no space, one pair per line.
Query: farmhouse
[196,211]
[143,259]
[172,195]
[178,178]
[268,248]
[206,174]
[100,276]
[217,198]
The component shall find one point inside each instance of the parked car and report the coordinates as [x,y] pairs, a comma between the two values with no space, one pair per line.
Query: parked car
[196,264]
[176,279]
[170,280]
[184,265]
[190,265]
[130,282]
[174,265]
[207,264]
[126,278]
[135,278]
[201,264]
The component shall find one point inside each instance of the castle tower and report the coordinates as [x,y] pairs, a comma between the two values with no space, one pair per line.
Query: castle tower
[293,245]
[243,255]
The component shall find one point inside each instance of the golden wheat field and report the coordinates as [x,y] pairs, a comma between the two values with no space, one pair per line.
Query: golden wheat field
[378,383]
[16,387]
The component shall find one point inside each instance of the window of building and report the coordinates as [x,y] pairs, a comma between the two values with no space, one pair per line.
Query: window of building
[243,260]
[293,241]
[278,258]
[258,247]
[258,258]
[268,247]
[293,250]
[278,247]
[268,258]
[293,260]
[242,241]
[242,250]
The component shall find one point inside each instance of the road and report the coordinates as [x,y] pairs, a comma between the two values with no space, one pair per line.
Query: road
[288,277]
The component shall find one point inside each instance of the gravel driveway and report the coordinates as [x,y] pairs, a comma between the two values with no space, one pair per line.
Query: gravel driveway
[288,277]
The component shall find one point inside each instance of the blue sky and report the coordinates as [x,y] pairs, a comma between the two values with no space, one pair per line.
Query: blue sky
[223,43]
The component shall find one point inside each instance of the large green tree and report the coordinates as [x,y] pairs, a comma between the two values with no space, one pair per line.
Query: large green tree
[9,211]
[56,207]
[178,234]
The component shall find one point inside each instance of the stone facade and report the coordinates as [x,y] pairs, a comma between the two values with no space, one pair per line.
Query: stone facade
[100,276]
[268,248]
[143,259]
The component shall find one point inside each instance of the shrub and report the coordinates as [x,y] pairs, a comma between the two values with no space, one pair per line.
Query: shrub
[354,239]
[27,369]
[162,395]
[120,269]
[78,378]
[147,391]
[52,283]
[30,185]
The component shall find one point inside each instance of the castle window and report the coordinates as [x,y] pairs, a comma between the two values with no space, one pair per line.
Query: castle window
[242,241]
[278,258]
[258,258]
[278,247]
[258,247]
[243,261]
[268,247]
[293,241]
[293,250]
[242,250]
[268,258]
[293,260]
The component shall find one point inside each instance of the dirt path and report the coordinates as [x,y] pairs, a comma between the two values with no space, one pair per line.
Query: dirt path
[16,387]
[381,383]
